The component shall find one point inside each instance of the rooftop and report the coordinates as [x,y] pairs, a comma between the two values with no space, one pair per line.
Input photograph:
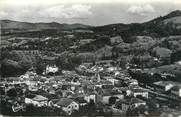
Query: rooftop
[139,90]
[64,102]
[40,98]
[163,83]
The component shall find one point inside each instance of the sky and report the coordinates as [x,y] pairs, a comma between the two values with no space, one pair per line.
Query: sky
[90,12]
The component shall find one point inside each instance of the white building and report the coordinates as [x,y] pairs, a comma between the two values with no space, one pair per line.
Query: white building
[163,85]
[140,92]
[38,101]
[176,91]
[68,105]
[51,69]
[90,97]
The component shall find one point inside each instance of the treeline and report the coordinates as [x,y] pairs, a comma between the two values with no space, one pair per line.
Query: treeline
[95,45]
[15,63]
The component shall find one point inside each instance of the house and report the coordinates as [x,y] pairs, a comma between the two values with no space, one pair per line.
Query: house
[111,69]
[176,91]
[67,93]
[32,88]
[75,81]
[70,36]
[81,101]
[48,60]
[106,96]
[133,82]
[117,93]
[51,90]
[105,84]
[104,62]
[66,86]
[85,41]
[163,54]
[86,57]
[104,52]
[79,90]
[28,75]
[51,69]
[163,86]
[113,80]
[83,31]
[68,105]
[32,85]
[122,105]
[36,100]
[165,75]
[73,47]
[140,92]
[90,96]
[116,40]
[178,63]
[125,104]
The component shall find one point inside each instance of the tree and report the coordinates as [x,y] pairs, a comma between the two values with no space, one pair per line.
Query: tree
[10,68]
[39,66]
[112,100]
[91,107]
[152,105]
[176,56]
[142,109]
[132,112]
[5,54]
[12,92]
[25,64]
[156,77]
[2,92]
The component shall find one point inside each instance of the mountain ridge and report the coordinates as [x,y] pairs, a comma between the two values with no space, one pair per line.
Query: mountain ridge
[169,24]
[10,24]
[171,14]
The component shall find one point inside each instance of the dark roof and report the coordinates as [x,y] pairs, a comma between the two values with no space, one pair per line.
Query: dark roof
[139,90]
[49,58]
[40,98]
[80,100]
[136,100]
[131,101]
[54,100]
[107,92]
[64,102]
[162,52]
[104,82]
[178,87]
[163,83]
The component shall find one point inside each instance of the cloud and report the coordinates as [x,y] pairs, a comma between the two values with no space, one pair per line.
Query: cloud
[141,9]
[3,14]
[62,11]
[44,13]
[48,2]
[81,11]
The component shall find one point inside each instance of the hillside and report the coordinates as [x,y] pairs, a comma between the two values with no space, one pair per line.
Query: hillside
[161,26]
[147,45]
[9,24]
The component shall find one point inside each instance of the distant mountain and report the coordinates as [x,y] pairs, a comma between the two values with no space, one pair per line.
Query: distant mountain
[9,24]
[172,19]
[175,13]
[170,22]
[161,26]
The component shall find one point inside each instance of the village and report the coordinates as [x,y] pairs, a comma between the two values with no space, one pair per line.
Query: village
[116,69]
[100,89]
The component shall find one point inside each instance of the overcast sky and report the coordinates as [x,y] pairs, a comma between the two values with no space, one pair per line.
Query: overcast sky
[91,12]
